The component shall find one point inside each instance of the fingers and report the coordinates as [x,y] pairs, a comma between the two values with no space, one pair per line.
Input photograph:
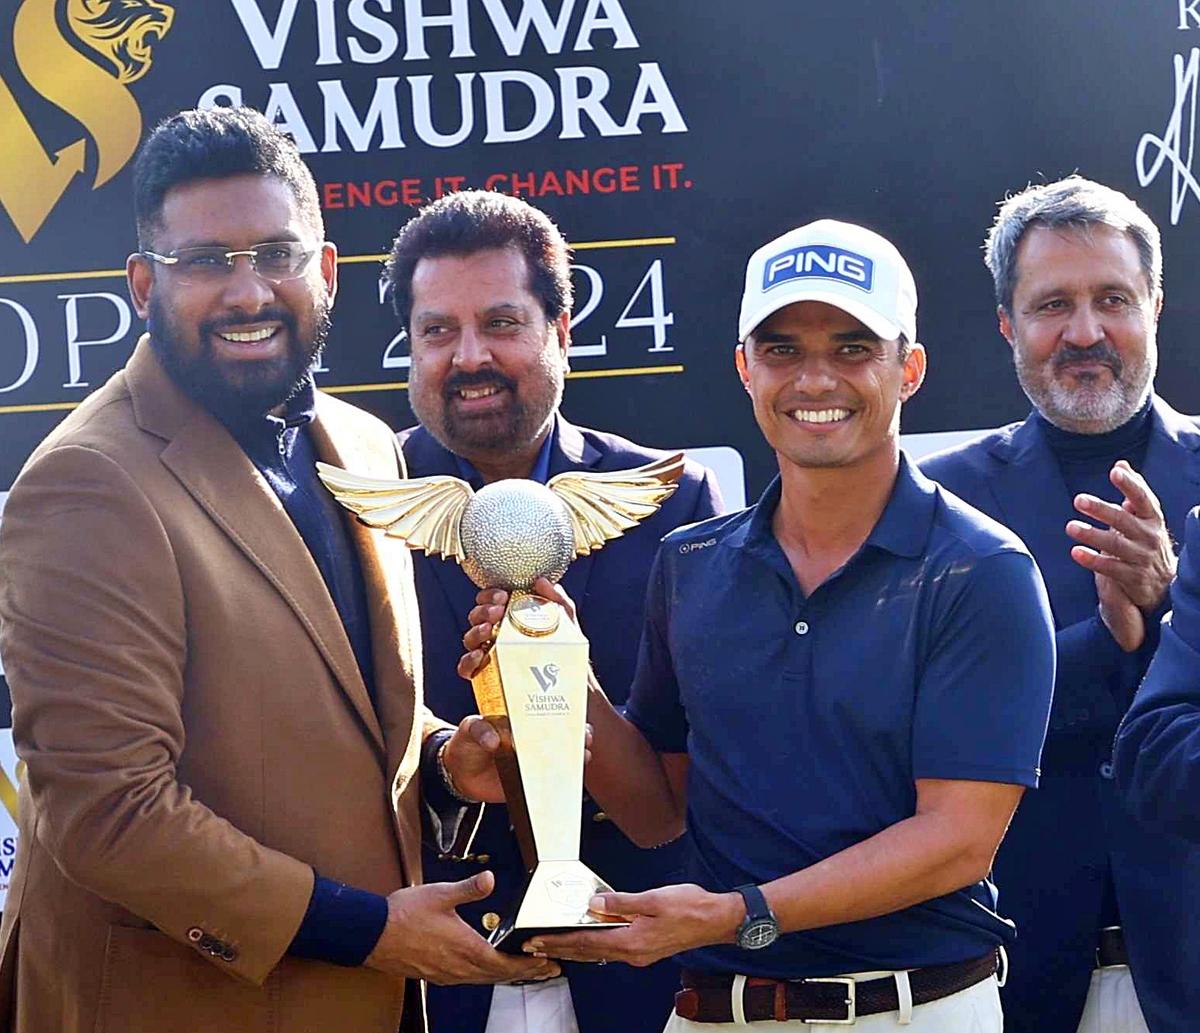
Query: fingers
[606,945]
[548,589]
[482,732]
[477,887]
[1128,523]
[1105,540]
[1136,490]
[622,905]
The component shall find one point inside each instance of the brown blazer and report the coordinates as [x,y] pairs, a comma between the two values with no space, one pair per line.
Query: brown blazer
[197,735]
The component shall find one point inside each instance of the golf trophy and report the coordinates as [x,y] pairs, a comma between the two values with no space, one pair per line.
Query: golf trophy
[532,685]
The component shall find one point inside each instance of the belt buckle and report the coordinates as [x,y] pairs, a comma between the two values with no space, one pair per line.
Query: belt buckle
[851,1001]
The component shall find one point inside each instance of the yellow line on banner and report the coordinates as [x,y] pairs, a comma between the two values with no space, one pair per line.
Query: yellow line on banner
[397,385]
[108,274]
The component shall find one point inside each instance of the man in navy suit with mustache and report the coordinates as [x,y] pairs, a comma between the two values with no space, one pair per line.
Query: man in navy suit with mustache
[481,282]
[1096,481]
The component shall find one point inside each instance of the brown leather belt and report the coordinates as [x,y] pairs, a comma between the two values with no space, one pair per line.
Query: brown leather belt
[1110,948]
[706,996]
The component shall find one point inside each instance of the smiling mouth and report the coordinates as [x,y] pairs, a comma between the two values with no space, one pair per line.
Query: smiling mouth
[470,394]
[248,336]
[820,416]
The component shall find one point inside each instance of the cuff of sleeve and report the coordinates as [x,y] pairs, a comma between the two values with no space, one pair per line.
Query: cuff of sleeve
[342,924]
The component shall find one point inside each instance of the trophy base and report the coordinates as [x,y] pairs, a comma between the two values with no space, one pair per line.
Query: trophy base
[554,899]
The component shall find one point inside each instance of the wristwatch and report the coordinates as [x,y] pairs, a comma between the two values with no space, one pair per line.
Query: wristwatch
[759,928]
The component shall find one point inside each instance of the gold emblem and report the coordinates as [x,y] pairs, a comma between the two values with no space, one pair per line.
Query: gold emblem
[122,33]
[532,615]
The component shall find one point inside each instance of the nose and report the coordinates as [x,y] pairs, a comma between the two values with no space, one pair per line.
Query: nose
[244,289]
[814,377]
[472,351]
[1085,327]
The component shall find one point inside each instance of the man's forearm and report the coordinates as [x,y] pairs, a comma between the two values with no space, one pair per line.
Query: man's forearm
[626,776]
[918,859]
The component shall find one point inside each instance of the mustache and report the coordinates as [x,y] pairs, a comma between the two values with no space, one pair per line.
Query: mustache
[1070,355]
[484,378]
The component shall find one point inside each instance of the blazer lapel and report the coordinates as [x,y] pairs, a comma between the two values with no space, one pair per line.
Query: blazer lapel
[218,475]
[1173,463]
[1033,499]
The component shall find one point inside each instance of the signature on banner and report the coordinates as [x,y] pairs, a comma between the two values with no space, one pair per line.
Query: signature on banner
[1178,142]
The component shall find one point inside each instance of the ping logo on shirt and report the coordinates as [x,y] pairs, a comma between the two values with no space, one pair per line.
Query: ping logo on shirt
[819,261]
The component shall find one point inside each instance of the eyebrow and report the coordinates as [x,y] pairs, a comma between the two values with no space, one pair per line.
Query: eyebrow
[284,236]
[860,334]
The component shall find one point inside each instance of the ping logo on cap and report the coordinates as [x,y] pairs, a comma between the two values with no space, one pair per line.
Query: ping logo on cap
[819,261]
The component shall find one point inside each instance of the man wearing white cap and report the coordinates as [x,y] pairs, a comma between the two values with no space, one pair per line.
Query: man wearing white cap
[842,691]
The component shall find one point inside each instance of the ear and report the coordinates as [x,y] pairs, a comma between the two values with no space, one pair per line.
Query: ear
[1006,327]
[914,371]
[1158,304]
[739,361]
[329,269]
[562,330]
[139,275]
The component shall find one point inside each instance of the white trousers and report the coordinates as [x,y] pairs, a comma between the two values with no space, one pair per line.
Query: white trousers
[544,1007]
[973,1010]
[1112,1004]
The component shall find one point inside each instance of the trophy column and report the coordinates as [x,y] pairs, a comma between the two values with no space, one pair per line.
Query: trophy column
[533,688]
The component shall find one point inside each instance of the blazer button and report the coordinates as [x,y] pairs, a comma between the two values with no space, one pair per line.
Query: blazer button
[481,858]
[228,954]
[207,943]
[490,921]
[1106,770]
[195,933]
[599,816]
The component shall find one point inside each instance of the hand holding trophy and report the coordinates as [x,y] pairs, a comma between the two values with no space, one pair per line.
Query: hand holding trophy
[532,686]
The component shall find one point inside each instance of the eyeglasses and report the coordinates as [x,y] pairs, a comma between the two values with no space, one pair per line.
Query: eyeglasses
[275,262]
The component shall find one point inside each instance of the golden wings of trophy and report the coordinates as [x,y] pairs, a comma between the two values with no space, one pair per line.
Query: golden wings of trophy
[532,685]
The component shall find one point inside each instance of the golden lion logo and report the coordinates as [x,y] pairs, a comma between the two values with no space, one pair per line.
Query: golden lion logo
[122,33]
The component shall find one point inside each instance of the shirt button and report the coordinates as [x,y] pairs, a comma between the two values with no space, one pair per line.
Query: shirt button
[801,627]
[1106,770]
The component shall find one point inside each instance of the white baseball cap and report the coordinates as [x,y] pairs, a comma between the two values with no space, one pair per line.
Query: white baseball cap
[840,264]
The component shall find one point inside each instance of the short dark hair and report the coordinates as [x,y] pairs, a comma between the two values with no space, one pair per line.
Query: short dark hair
[215,144]
[479,220]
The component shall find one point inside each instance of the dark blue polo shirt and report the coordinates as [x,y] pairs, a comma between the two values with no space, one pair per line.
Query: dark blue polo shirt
[930,654]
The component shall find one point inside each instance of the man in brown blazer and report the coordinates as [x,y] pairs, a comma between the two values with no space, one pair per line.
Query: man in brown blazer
[216,676]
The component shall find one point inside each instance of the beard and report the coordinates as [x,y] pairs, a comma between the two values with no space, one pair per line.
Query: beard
[1090,406]
[510,430]
[237,392]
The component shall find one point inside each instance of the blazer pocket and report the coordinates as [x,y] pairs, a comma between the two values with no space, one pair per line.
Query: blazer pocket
[152,984]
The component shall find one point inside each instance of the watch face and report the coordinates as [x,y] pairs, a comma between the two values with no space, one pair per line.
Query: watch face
[758,934]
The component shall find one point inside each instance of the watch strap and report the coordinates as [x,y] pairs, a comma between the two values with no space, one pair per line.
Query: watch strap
[757,907]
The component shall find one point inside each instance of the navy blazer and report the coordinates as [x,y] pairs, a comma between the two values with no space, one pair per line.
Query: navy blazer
[609,588]
[1157,754]
[1051,865]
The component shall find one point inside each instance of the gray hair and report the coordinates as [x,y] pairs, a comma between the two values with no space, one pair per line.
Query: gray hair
[1073,203]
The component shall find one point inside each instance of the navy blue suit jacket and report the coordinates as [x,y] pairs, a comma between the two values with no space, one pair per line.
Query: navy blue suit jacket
[609,588]
[1050,868]
[1157,755]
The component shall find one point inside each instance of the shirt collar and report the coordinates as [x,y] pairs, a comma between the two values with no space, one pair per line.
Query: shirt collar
[902,528]
[539,473]
[298,410]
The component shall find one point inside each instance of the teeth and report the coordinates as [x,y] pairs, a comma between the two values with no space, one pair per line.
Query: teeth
[820,415]
[249,337]
[477,392]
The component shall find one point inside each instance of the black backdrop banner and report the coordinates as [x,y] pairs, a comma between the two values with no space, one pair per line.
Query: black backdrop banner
[668,140]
